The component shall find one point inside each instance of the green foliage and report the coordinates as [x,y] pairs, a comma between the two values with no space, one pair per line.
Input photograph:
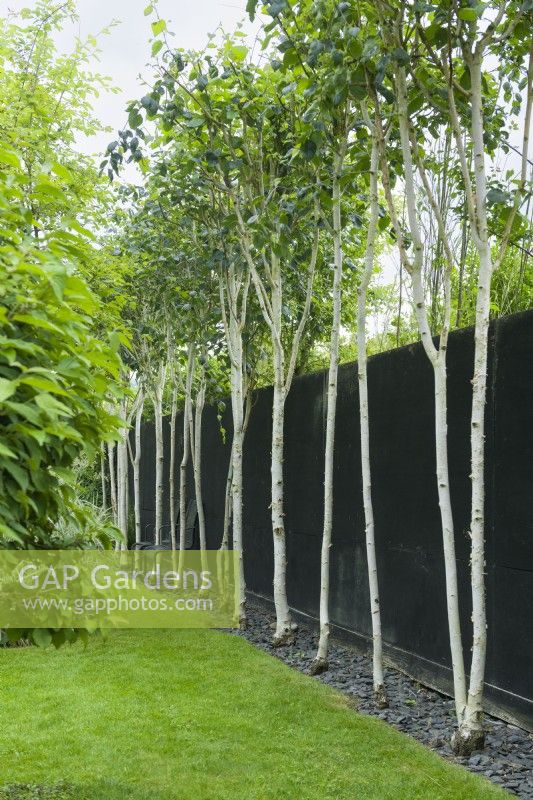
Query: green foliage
[45,106]
[55,375]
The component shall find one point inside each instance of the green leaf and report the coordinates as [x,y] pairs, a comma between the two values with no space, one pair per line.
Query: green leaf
[9,157]
[135,119]
[6,452]
[44,384]
[308,149]
[45,190]
[52,406]
[7,388]
[156,47]
[148,10]
[251,5]
[158,27]
[62,172]
[42,637]
[467,14]
[400,55]
[18,474]
[498,197]
[37,322]
[195,122]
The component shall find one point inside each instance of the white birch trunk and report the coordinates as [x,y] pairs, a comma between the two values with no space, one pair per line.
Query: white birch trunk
[112,480]
[236,288]
[437,359]
[270,303]
[186,447]
[224,544]
[320,663]
[124,491]
[172,468]
[470,735]
[103,476]
[380,695]
[136,464]
[284,632]
[118,479]
[196,449]
[122,481]
[237,401]
[159,453]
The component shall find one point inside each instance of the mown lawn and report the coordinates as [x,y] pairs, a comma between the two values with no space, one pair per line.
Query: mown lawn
[200,715]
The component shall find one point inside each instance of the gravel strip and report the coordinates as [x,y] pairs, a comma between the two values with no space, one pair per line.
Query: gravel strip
[422,713]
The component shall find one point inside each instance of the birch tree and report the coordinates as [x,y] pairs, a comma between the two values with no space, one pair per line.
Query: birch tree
[380,694]
[252,168]
[468,105]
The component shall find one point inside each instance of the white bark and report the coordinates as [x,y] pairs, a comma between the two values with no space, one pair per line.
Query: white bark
[472,723]
[186,446]
[159,452]
[270,299]
[437,359]
[112,480]
[283,631]
[321,660]
[103,476]
[136,464]
[195,430]
[236,469]
[172,468]
[471,734]
[364,424]
[235,288]
[122,480]
[224,544]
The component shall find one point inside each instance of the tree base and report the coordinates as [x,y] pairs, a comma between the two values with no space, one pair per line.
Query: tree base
[318,666]
[466,740]
[286,637]
[380,697]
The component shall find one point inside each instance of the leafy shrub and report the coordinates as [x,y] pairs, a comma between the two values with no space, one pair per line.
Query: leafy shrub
[56,376]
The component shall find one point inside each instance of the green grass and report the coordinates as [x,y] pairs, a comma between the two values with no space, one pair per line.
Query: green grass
[200,715]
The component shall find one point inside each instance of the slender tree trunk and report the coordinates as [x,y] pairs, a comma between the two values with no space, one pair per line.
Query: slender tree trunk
[320,663]
[270,301]
[136,464]
[122,481]
[124,492]
[112,480]
[196,450]
[224,544]
[236,288]
[284,633]
[159,451]
[186,447]
[118,479]
[470,735]
[237,401]
[380,694]
[103,476]
[462,264]
[172,468]
[437,359]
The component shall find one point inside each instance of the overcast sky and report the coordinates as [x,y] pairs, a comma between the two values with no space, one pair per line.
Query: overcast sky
[126,49]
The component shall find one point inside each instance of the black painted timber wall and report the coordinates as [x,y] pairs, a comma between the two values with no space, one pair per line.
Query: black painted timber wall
[408,533]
